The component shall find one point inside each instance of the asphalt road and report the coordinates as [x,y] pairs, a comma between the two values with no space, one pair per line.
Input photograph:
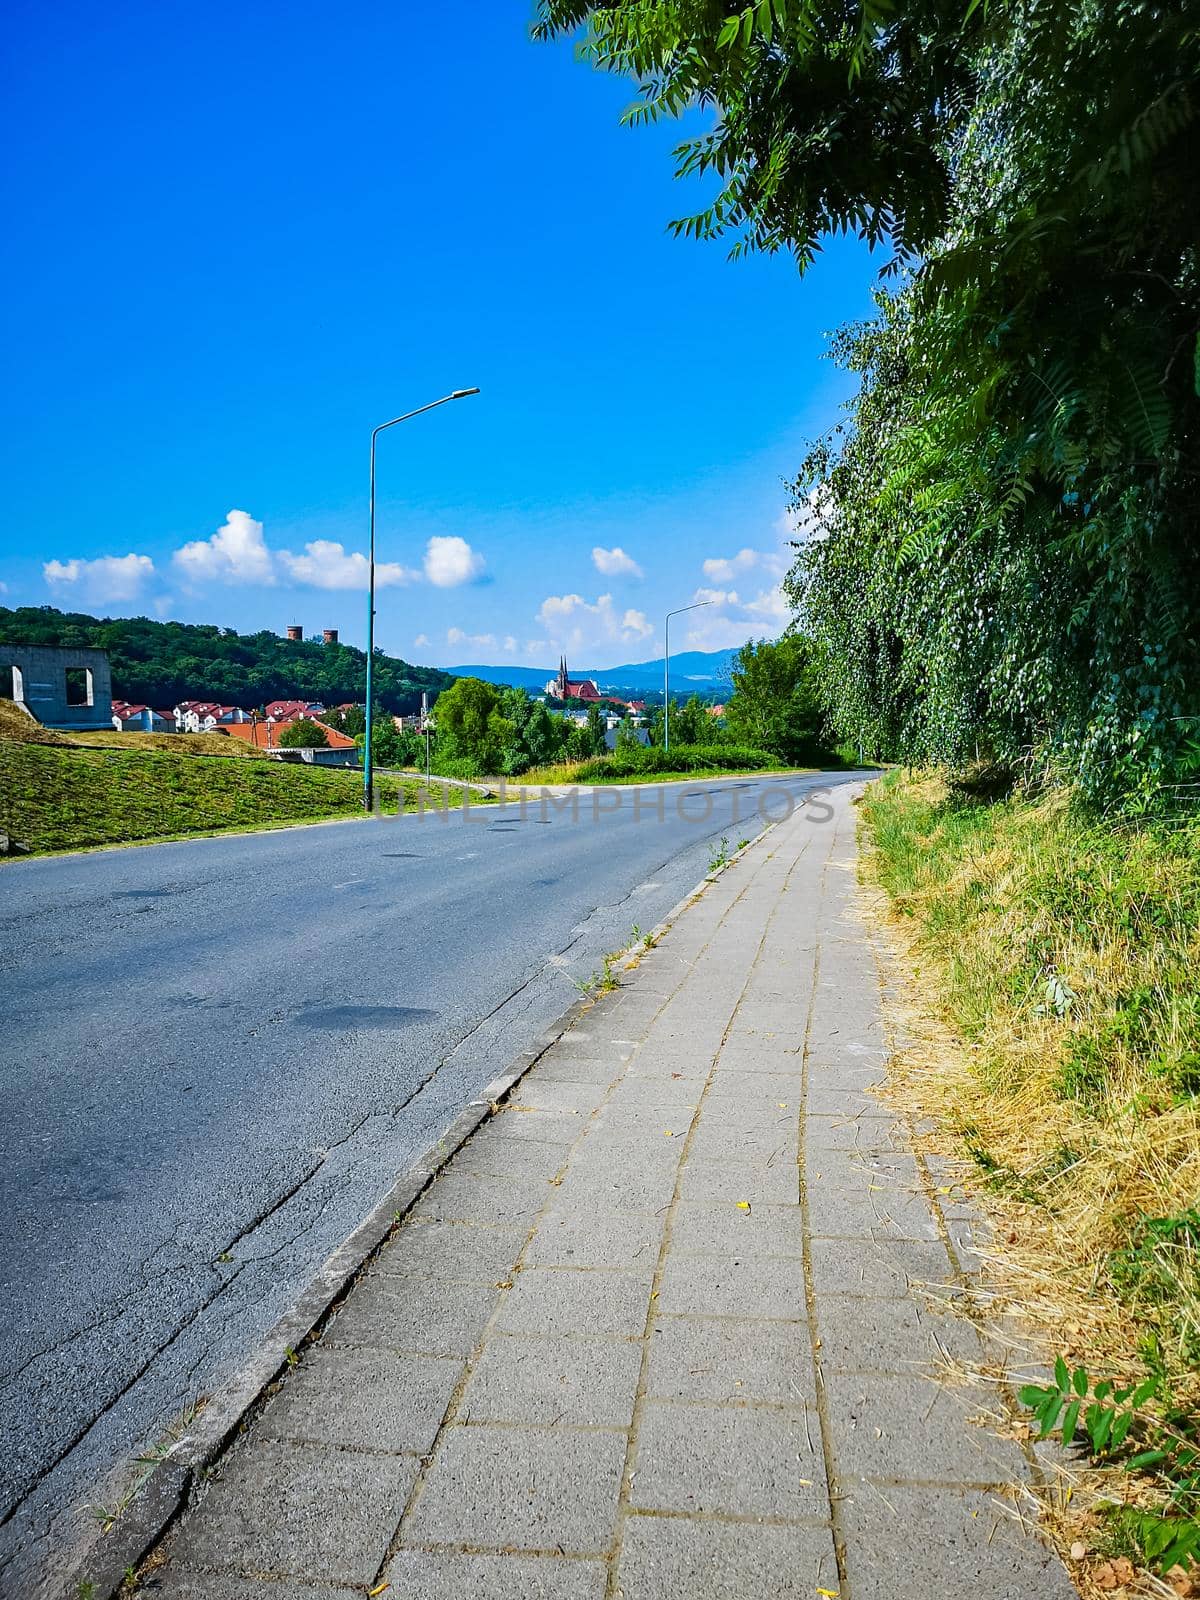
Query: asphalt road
[217,1055]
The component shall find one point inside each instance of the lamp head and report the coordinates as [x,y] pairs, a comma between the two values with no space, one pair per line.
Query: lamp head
[461,394]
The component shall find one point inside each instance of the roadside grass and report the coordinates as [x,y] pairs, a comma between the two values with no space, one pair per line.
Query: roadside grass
[1055,1020]
[584,772]
[56,800]
[55,797]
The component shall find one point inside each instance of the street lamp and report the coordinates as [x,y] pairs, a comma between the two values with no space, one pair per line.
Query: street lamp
[678,612]
[458,394]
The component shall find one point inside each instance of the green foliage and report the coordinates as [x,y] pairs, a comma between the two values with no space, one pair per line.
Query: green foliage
[63,798]
[303,735]
[690,723]
[1109,1419]
[775,703]
[1008,557]
[647,760]
[829,119]
[162,663]
[485,731]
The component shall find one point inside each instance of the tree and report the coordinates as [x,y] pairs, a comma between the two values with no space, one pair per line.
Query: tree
[775,703]
[627,738]
[1008,553]
[162,663]
[596,732]
[689,722]
[302,735]
[472,727]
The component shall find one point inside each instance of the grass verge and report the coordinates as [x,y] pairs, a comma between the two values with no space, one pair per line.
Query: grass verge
[1055,1019]
[56,797]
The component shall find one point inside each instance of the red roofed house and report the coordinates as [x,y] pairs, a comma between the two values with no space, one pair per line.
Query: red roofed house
[285,710]
[140,719]
[264,734]
[202,716]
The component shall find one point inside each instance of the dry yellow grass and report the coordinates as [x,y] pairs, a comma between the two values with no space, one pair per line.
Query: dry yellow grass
[1046,1010]
[19,726]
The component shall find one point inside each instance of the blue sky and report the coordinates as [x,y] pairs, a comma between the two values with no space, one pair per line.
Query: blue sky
[240,236]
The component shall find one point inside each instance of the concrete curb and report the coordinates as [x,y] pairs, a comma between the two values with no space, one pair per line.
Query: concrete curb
[158,1500]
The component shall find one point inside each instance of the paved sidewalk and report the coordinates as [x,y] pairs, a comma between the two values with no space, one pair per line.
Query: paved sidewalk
[655,1331]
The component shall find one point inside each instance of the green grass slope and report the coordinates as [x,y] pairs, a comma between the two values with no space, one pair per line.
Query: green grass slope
[54,797]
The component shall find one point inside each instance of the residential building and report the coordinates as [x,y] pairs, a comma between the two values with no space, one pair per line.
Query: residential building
[202,716]
[340,751]
[282,710]
[128,718]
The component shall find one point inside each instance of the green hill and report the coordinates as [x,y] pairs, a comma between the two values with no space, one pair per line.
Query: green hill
[161,663]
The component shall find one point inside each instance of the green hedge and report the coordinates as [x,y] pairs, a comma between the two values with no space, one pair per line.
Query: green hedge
[650,759]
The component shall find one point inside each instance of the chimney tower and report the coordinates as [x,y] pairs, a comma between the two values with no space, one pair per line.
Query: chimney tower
[330,636]
[295,633]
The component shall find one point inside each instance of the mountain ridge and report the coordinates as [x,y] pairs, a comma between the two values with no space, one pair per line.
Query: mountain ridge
[696,669]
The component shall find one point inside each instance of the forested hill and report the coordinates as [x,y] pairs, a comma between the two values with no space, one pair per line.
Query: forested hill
[161,663]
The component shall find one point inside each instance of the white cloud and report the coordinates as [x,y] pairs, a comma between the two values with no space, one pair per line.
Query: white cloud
[730,620]
[421,641]
[510,644]
[615,563]
[722,569]
[481,641]
[104,579]
[3,588]
[326,564]
[450,561]
[575,623]
[771,607]
[236,553]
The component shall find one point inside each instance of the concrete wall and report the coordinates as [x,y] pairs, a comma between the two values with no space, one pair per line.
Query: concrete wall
[40,684]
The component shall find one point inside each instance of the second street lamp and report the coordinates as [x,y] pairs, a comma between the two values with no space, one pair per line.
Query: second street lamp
[368,784]
[678,612]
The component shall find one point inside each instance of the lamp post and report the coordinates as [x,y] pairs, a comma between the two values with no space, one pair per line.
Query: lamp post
[678,612]
[368,786]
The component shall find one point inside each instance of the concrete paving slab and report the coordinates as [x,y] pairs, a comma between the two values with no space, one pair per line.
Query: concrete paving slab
[884,1267]
[582,1235]
[861,1335]
[579,1382]
[721,1286]
[298,1510]
[552,1489]
[177,1584]
[564,1301]
[449,1575]
[502,1157]
[692,1558]
[958,1545]
[479,1197]
[731,1360]
[890,1426]
[457,1252]
[727,1230]
[721,1182]
[363,1399]
[633,1187]
[424,1317]
[739,1461]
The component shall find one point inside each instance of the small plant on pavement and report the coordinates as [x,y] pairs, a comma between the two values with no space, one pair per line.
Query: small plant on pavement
[720,858]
